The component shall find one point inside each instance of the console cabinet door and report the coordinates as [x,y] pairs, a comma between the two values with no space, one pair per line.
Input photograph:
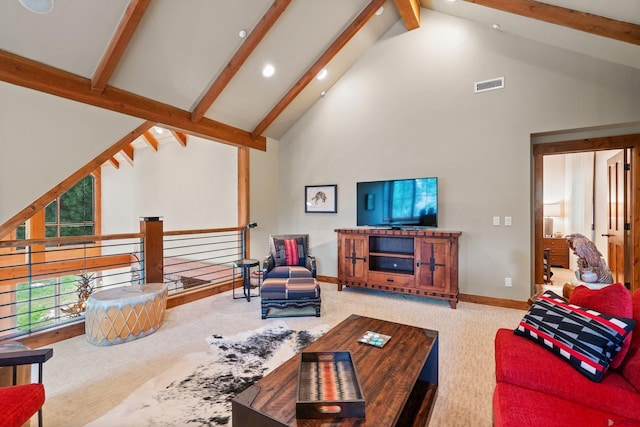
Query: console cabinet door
[433,264]
[352,265]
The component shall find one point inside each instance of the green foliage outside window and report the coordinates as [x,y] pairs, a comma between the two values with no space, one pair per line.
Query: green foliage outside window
[76,205]
[72,214]
[36,305]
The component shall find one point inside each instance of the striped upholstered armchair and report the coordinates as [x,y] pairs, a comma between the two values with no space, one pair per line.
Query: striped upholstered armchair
[288,257]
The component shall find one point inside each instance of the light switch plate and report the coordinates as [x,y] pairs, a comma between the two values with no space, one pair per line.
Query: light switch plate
[496,220]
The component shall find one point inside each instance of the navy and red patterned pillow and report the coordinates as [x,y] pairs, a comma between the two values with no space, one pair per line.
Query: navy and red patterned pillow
[587,339]
[289,252]
[614,300]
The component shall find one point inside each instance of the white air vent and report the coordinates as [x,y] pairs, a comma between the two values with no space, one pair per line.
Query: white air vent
[489,85]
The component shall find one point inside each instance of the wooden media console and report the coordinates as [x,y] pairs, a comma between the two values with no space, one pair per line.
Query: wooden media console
[413,261]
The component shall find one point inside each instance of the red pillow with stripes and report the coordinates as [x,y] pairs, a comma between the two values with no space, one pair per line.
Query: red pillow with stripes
[585,338]
[290,252]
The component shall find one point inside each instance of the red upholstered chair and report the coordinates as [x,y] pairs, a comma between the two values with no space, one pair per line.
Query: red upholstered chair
[18,403]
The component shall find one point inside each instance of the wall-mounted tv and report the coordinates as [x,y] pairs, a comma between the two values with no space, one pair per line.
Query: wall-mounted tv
[398,203]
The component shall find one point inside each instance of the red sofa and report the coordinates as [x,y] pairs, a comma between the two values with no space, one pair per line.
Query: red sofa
[535,387]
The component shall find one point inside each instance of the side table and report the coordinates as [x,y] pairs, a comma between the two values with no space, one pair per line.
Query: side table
[245,265]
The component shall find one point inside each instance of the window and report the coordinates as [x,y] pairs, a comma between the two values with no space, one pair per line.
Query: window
[41,299]
[21,231]
[72,214]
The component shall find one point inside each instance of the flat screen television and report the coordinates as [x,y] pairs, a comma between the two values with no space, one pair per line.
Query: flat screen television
[398,203]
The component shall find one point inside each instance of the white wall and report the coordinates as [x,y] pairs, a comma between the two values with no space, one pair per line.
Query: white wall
[44,139]
[264,198]
[193,187]
[407,109]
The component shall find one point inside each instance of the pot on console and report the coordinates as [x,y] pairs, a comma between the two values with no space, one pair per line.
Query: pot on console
[589,276]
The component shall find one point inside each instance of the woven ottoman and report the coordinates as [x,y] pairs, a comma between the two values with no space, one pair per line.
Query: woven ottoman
[120,315]
[290,293]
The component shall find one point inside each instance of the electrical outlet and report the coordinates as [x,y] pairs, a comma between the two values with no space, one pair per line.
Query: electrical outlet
[507,220]
[507,282]
[496,220]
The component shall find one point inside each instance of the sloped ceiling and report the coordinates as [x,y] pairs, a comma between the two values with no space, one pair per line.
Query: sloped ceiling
[177,50]
[171,52]
[596,28]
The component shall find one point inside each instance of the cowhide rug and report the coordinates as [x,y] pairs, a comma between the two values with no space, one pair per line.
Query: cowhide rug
[198,390]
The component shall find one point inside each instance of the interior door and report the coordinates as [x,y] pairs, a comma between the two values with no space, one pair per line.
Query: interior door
[617,232]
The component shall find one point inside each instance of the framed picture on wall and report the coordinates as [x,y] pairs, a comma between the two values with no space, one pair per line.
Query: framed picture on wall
[321,198]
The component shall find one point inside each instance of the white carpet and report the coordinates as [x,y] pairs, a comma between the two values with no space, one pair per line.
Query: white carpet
[197,391]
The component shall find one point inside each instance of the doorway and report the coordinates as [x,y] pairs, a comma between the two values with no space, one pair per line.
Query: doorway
[617,234]
[630,145]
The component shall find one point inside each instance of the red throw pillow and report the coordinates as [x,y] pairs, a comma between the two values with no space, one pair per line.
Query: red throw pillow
[614,300]
[291,251]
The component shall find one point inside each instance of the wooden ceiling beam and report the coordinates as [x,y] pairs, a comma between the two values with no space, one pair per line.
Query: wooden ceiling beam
[181,137]
[409,12]
[582,21]
[128,152]
[353,28]
[73,179]
[114,162]
[151,140]
[24,72]
[253,39]
[119,42]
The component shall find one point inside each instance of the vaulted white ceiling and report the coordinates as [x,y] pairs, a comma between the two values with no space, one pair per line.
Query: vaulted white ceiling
[587,43]
[178,49]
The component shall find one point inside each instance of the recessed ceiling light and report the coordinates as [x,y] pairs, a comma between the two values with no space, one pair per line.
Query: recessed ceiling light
[268,70]
[379,11]
[496,27]
[158,130]
[323,93]
[242,34]
[38,6]
[322,74]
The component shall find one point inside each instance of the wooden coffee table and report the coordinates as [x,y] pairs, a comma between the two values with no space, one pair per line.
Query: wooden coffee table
[399,381]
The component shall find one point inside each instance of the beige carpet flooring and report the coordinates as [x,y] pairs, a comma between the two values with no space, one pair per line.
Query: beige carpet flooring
[559,278]
[84,381]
